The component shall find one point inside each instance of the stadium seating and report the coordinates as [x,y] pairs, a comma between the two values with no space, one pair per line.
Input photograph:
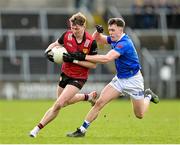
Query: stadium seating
[11,66]
[29,42]
[20,21]
[57,21]
[3,42]
[156,42]
[35,63]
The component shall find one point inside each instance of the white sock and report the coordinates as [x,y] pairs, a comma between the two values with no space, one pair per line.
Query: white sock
[147,99]
[89,98]
[35,130]
[83,130]
[149,96]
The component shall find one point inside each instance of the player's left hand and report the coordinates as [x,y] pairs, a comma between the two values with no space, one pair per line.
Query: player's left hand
[78,55]
[67,57]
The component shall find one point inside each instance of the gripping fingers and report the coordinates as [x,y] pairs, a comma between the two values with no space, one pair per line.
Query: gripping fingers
[99,28]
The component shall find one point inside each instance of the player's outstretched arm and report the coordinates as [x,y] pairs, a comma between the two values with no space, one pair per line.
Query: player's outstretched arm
[110,56]
[87,64]
[99,36]
[68,57]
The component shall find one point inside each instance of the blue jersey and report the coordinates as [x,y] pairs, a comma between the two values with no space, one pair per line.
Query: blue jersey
[127,65]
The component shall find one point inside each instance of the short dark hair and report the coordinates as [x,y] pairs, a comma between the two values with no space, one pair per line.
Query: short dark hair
[118,21]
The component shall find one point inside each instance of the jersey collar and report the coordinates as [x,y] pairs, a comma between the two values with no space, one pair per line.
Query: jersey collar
[84,38]
[121,37]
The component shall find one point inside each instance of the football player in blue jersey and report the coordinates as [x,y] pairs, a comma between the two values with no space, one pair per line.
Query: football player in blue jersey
[128,79]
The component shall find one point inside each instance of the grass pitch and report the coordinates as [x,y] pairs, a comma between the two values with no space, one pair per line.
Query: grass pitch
[115,125]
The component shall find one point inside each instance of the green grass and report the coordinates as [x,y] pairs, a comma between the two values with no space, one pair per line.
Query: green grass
[115,125]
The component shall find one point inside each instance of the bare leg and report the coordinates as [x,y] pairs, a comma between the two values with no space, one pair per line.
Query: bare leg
[51,114]
[92,97]
[140,107]
[65,96]
[78,97]
[107,94]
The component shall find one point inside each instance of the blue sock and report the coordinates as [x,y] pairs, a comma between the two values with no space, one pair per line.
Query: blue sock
[86,124]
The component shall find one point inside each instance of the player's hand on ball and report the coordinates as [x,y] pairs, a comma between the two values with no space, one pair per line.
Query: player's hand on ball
[67,57]
[48,56]
[78,55]
[99,28]
[55,54]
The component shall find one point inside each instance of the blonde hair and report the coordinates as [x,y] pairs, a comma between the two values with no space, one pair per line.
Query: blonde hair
[78,19]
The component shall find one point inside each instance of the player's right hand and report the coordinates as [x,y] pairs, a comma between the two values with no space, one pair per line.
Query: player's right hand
[48,56]
[99,28]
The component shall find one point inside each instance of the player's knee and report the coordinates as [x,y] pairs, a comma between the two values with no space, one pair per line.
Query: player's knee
[61,103]
[57,107]
[99,104]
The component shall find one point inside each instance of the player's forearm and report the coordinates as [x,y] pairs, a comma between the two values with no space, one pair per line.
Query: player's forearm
[100,38]
[87,64]
[98,58]
[95,35]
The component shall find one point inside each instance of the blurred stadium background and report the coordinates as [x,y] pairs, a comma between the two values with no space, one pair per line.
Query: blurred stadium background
[28,27]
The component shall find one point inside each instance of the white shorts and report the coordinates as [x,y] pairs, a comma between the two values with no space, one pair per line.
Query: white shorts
[133,86]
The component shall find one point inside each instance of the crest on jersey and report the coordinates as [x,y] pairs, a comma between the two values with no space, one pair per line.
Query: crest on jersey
[119,46]
[85,50]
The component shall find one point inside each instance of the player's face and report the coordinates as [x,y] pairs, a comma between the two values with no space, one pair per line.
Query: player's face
[77,30]
[115,32]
